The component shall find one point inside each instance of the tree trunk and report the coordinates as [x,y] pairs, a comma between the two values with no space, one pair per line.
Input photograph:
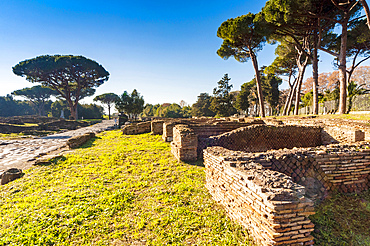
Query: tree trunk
[302,69]
[258,83]
[73,109]
[108,111]
[315,75]
[367,11]
[291,98]
[287,100]
[342,70]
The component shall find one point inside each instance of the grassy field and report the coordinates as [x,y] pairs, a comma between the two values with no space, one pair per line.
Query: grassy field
[129,190]
[115,190]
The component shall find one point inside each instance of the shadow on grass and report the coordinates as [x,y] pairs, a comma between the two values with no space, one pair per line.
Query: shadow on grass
[88,144]
[199,163]
[51,161]
[343,219]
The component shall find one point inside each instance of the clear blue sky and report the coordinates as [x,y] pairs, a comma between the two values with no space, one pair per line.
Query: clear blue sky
[164,49]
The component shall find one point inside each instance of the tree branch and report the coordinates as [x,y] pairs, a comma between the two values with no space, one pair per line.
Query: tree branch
[329,52]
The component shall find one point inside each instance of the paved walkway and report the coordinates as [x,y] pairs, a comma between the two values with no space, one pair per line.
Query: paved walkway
[21,153]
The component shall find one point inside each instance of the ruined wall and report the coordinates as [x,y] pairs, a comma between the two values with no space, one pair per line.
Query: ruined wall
[322,169]
[200,131]
[260,138]
[334,134]
[157,127]
[185,142]
[335,130]
[249,185]
[137,128]
[269,204]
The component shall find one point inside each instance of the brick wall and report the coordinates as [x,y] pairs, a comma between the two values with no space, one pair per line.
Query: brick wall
[137,128]
[200,131]
[185,142]
[262,138]
[157,127]
[249,185]
[269,204]
[336,131]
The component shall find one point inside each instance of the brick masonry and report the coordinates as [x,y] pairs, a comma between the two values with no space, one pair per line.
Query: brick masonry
[273,193]
[259,138]
[269,204]
[137,128]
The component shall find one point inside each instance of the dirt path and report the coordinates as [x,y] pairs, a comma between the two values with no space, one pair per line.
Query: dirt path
[21,153]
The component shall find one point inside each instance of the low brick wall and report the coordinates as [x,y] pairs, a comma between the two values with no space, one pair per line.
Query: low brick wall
[335,131]
[242,183]
[157,127]
[77,141]
[185,142]
[201,132]
[260,138]
[246,137]
[269,204]
[334,134]
[137,128]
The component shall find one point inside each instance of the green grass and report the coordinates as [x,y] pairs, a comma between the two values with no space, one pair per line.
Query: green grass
[330,116]
[92,120]
[346,116]
[23,125]
[115,190]
[343,220]
[4,136]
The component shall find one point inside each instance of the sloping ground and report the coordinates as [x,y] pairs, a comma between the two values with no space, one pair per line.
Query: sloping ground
[116,190]
[343,220]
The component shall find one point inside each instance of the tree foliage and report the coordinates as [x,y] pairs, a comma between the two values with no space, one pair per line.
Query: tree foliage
[222,100]
[202,106]
[107,98]
[242,38]
[248,94]
[11,107]
[131,104]
[71,76]
[37,95]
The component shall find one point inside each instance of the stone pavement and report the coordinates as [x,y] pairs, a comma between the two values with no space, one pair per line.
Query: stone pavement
[21,153]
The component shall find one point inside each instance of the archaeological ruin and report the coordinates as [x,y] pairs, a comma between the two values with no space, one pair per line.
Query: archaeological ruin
[269,174]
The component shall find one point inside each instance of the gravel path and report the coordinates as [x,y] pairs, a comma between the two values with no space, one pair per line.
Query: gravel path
[21,153]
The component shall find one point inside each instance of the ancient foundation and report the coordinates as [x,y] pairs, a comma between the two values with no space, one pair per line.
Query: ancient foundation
[273,193]
[270,176]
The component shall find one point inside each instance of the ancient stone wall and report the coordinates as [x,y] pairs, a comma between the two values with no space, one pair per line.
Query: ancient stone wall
[269,204]
[335,131]
[184,144]
[171,123]
[137,128]
[246,184]
[157,127]
[200,131]
[260,138]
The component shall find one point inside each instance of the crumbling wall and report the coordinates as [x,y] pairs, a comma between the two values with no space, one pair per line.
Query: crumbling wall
[137,128]
[184,144]
[335,130]
[269,204]
[200,131]
[260,138]
[157,127]
[249,185]
[335,134]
